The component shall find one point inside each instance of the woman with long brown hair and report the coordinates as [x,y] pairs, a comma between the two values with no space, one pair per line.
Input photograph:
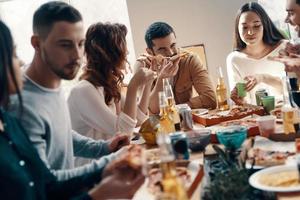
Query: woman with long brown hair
[255,39]
[95,102]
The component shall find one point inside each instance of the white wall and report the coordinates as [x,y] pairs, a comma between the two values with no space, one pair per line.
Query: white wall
[114,11]
[18,15]
[210,22]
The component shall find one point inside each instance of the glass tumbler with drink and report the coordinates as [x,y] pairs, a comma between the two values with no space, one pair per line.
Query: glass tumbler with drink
[266,125]
[241,89]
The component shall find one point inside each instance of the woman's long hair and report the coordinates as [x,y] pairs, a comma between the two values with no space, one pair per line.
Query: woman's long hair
[6,66]
[271,34]
[106,52]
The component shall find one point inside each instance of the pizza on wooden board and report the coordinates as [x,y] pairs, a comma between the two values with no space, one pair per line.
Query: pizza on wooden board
[235,112]
[240,122]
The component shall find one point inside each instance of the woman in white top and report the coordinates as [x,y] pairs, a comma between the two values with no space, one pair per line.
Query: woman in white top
[256,38]
[95,102]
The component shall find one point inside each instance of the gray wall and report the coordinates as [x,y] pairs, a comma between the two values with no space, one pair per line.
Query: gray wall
[210,22]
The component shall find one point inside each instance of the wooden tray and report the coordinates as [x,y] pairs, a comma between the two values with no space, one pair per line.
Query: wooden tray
[284,137]
[209,120]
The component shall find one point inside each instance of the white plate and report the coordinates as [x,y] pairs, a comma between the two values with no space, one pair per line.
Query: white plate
[254,179]
[200,111]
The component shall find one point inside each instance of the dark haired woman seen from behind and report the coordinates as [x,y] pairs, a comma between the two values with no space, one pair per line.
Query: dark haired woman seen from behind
[23,175]
[256,38]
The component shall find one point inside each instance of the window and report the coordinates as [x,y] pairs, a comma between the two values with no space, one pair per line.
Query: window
[18,16]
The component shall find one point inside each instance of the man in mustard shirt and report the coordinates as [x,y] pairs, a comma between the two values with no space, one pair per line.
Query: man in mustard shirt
[184,73]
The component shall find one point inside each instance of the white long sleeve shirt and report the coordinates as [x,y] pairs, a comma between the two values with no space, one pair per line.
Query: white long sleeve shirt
[91,117]
[268,73]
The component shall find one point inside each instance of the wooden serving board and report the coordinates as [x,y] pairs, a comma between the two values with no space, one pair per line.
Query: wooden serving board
[279,135]
[213,117]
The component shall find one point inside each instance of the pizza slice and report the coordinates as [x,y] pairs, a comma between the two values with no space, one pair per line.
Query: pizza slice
[268,158]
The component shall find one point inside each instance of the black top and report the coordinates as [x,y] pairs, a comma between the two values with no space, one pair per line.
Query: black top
[23,175]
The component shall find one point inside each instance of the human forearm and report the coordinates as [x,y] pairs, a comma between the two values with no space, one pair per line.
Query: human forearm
[154,101]
[206,100]
[144,102]
[273,81]
[206,95]
[131,101]
[235,98]
[94,167]
[87,147]
[73,188]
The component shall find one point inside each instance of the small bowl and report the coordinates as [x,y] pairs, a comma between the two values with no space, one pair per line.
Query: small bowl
[232,137]
[198,139]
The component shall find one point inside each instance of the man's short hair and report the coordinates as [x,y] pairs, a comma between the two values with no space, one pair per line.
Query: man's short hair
[157,30]
[49,13]
[298,2]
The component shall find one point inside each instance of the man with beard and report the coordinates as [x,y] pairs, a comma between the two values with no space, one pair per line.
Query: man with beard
[184,72]
[58,41]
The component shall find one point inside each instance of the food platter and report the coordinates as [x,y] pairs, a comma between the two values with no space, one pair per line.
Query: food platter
[261,158]
[216,117]
[191,172]
[273,179]
[267,153]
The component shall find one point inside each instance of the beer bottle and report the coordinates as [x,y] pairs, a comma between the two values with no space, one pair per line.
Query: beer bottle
[221,92]
[171,103]
[289,114]
[166,124]
[171,185]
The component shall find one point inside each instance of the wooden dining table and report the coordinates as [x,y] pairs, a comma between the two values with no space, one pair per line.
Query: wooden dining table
[194,191]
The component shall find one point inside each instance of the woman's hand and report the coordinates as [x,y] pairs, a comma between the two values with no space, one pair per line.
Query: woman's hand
[251,82]
[234,97]
[144,60]
[142,77]
[165,66]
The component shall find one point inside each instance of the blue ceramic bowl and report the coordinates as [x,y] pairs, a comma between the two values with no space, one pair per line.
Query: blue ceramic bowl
[232,137]
[198,139]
